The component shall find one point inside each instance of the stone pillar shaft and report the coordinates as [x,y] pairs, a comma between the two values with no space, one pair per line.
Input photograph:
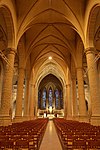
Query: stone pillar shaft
[65,101]
[26,100]
[74,97]
[31,106]
[81,93]
[7,86]
[93,82]
[69,102]
[19,98]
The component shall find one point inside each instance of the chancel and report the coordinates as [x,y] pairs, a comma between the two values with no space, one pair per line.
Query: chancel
[50,97]
[49,74]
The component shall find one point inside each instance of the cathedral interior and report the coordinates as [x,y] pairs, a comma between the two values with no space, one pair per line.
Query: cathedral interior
[49,60]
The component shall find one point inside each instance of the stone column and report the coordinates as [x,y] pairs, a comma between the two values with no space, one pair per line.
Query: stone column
[35,101]
[31,105]
[26,100]
[94,86]
[65,101]
[81,93]
[46,103]
[69,102]
[54,102]
[5,118]
[74,99]
[1,80]
[19,98]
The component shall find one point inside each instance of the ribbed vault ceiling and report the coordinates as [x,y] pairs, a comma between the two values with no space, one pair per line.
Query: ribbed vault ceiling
[51,28]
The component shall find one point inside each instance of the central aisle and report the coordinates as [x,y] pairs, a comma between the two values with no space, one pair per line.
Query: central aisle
[50,140]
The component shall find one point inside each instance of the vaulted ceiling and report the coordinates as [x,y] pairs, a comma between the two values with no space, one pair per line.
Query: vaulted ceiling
[50,28]
[46,28]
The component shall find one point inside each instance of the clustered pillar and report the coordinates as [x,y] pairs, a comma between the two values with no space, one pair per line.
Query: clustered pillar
[81,93]
[26,99]
[31,106]
[74,99]
[5,117]
[69,102]
[18,113]
[94,86]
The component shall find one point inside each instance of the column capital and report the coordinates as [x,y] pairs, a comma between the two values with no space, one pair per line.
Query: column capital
[90,50]
[79,68]
[10,50]
[32,85]
[73,77]
[21,68]
[68,85]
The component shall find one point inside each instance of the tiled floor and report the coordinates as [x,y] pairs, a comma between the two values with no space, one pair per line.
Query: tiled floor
[50,140]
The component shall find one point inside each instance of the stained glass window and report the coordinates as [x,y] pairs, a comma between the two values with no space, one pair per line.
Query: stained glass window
[57,99]
[61,99]
[39,99]
[50,97]
[44,99]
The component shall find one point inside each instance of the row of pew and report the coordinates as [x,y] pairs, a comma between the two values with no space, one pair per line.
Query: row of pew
[26,135]
[77,135]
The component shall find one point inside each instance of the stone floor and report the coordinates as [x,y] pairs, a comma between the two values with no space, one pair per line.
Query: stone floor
[50,140]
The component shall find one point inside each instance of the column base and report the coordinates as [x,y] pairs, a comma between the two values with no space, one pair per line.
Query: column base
[69,118]
[18,119]
[95,120]
[83,119]
[26,118]
[5,120]
[31,117]
[75,118]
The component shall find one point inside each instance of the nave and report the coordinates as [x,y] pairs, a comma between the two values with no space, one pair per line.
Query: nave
[49,60]
[45,134]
